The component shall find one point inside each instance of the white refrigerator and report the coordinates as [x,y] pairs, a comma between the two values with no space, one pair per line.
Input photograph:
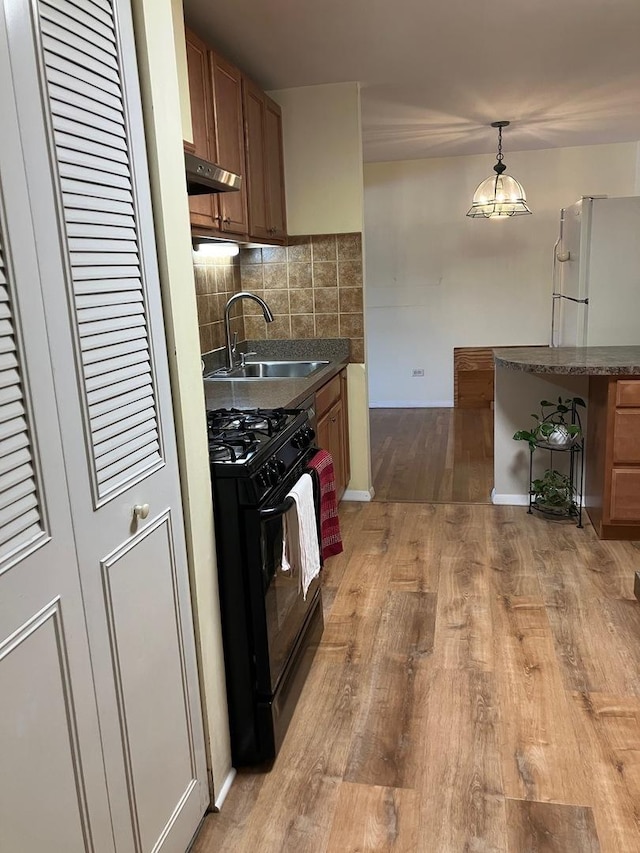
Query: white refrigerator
[596,274]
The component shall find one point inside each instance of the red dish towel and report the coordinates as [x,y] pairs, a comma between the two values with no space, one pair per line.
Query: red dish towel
[330,538]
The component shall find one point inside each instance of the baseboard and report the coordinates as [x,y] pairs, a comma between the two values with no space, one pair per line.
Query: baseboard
[358,495]
[509,500]
[516,500]
[224,790]
[410,404]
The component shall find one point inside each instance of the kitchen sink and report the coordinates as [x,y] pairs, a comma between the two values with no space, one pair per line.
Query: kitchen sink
[270,370]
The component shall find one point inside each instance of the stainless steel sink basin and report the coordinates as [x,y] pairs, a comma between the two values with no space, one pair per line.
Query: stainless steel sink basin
[271,370]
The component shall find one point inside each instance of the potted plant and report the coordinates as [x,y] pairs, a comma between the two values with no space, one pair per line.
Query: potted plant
[553,493]
[557,426]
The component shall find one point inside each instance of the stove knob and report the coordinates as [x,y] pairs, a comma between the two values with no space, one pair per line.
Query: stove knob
[310,433]
[297,440]
[281,466]
[274,474]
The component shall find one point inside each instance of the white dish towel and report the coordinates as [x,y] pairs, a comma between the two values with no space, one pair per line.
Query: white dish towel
[300,534]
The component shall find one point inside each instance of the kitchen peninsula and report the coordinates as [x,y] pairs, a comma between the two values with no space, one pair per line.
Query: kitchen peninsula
[609,379]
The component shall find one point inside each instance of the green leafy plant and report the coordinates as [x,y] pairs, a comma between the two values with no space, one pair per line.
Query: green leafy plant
[553,492]
[553,427]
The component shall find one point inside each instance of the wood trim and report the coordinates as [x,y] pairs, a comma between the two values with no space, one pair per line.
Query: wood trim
[473,377]
[189,147]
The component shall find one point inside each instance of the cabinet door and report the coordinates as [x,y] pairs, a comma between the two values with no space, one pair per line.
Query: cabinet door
[255,132]
[626,436]
[203,208]
[625,495]
[330,436]
[52,788]
[277,222]
[76,85]
[229,141]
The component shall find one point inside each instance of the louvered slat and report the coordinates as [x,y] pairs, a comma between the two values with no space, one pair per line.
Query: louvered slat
[90,9]
[114,430]
[121,336]
[90,135]
[94,300]
[114,403]
[146,456]
[112,377]
[115,416]
[101,371]
[117,391]
[86,16]
[104,354]
[20,518]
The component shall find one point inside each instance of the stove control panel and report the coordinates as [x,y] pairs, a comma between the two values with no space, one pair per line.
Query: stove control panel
[303,438]
[272,472]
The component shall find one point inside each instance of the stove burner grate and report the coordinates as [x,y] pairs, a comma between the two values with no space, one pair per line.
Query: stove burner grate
[267,421]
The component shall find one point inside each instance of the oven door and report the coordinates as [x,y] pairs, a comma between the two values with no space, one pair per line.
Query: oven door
[285,609]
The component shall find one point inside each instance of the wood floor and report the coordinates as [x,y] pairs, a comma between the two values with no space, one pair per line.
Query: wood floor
[477,689]
[432,455]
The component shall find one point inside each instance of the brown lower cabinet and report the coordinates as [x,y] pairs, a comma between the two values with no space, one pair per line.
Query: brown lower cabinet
[612,477]
[333,427]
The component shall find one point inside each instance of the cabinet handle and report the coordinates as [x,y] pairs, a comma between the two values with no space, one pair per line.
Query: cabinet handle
[227,220]
[141,511]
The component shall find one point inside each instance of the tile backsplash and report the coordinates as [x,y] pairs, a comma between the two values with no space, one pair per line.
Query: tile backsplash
[313,287]
[216,280]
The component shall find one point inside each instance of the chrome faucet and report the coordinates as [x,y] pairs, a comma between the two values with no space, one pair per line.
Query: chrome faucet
[231,344]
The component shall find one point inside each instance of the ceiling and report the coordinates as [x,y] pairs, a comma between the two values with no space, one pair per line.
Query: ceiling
[436,73]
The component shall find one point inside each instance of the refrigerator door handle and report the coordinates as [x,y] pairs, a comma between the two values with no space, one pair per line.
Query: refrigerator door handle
[554,296]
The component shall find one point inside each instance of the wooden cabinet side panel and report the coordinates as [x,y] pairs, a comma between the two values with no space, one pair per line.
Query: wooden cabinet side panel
[228,128]
[596,448]
[203,208]
[345,421]
[254,126]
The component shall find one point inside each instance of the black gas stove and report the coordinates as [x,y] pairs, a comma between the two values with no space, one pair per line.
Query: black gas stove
[259,445]
[270,631]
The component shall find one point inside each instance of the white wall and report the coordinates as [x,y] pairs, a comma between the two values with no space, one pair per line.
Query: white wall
[437,279]
[154,31]
[323,173]
[322,158]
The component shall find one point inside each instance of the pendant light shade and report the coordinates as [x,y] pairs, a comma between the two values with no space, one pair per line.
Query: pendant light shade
[499,195]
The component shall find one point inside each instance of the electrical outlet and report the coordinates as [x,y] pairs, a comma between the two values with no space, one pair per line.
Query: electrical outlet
[417,371]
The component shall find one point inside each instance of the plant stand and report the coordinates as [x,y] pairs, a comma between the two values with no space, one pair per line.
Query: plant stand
[575,449]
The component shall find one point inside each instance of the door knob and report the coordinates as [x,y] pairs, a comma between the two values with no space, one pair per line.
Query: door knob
[141,510]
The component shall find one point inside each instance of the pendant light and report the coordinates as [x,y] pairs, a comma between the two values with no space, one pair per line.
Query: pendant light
[501,195]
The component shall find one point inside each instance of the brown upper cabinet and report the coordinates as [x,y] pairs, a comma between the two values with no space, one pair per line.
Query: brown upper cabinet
[265,170]
[203,208]
[229,141]
[238,127]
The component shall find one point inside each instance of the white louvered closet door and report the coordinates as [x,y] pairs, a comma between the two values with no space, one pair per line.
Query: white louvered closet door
[52,786]
[79,108]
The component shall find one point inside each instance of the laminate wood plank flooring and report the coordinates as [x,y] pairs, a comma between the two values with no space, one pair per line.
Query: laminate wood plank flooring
[476,690]
[432,455]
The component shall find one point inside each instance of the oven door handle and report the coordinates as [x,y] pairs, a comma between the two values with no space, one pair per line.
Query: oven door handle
[275,511]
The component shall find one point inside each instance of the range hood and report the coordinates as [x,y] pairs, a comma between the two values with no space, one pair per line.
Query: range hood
[204,177]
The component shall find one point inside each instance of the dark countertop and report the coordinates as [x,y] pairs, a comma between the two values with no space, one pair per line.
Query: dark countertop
[266,393]
[272,393]
[575,361]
